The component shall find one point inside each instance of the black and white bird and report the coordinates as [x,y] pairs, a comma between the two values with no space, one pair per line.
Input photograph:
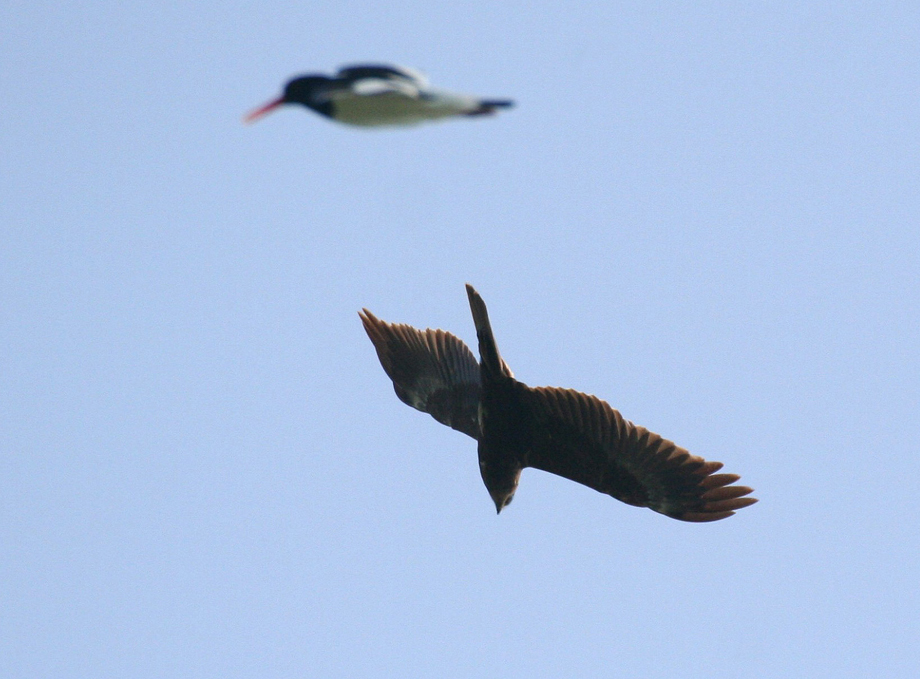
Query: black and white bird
[372,95]
[561,431]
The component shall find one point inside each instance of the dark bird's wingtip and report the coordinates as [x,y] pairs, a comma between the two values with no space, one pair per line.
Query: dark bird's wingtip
[478,307]
[719,503]
[374,327]
[474,297]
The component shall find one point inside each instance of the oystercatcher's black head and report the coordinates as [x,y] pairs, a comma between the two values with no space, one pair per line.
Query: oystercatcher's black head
[305,90]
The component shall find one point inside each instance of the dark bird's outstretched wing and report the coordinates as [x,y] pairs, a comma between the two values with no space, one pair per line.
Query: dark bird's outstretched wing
[583,439]
[432,371]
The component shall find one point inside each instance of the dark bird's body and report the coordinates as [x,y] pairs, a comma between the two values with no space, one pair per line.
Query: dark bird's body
[561,431]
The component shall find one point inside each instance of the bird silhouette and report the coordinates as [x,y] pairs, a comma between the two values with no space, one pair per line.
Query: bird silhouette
[372,95]
[561,431]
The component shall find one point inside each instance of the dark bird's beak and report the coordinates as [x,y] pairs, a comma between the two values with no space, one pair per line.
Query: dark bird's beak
[263,110]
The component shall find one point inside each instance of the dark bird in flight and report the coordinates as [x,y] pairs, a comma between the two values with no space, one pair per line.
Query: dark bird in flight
[561,431]
[371,95]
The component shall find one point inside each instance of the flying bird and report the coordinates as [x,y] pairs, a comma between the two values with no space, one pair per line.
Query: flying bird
[561,431]
[371,95]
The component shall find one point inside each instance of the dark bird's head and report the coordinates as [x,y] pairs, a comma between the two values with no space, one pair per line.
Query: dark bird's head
[306,90]
[502,499]
[500,482]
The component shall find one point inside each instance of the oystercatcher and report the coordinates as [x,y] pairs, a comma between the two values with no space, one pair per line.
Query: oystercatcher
[371,95]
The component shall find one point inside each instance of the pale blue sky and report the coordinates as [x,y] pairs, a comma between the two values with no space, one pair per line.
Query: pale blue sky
[706,215]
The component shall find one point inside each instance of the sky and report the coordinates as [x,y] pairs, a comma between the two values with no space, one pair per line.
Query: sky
[704,213]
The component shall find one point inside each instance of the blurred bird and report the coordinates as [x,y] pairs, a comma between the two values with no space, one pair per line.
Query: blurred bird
[561,431]
[373,95]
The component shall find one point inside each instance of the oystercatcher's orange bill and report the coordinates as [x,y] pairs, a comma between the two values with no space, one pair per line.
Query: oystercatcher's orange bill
[263,110]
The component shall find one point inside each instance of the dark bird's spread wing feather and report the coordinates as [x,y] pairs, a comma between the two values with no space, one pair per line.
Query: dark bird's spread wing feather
[432,371]
[582,438]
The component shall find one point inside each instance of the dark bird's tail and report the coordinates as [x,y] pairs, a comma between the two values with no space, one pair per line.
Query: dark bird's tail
[490,361]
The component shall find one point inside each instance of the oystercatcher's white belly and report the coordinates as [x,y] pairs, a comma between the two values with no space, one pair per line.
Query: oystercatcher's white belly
[392,108]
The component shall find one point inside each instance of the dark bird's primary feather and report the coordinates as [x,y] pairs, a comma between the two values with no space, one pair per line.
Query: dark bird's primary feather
[561,431]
